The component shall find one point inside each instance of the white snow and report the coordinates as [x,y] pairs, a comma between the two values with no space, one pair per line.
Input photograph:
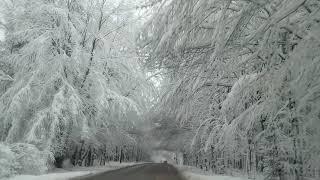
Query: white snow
[190,173]
[193,176]
[64,174]
[109,166]
[52,176]
[193,173]
[67,175]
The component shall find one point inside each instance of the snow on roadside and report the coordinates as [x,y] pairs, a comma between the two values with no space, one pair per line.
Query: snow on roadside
[109,166]
[51,176]
[193,176]
[193,173]
[65,174]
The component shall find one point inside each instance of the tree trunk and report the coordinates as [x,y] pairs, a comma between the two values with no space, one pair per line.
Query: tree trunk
[121,155]
[74,157]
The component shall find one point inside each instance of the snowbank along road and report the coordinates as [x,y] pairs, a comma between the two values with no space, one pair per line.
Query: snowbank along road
[148,171]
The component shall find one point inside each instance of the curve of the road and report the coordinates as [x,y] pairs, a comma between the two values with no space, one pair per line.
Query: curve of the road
[147,171]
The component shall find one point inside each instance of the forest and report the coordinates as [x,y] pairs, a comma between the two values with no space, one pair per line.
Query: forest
[233,85]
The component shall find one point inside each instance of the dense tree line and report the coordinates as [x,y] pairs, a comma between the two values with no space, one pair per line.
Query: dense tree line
[242,78]
[71,84]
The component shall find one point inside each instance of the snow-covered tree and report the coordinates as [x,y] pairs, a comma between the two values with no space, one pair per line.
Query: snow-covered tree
[71,78]
[242,76]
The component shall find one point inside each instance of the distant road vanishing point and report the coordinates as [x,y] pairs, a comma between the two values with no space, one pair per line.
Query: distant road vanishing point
[147,171]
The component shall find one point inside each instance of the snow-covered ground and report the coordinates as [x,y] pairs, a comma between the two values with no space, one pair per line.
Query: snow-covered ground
[52,176]
[193,173]
[109,166]
[193,176]
[64,174]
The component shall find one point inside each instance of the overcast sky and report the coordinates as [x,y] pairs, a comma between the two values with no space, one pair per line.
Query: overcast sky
[1,30]
[1,35]
[1,20]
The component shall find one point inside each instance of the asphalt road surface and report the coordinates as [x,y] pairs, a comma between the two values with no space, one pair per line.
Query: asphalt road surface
[148,171]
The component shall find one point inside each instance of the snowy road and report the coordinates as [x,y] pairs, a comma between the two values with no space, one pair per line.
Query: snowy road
[150,171]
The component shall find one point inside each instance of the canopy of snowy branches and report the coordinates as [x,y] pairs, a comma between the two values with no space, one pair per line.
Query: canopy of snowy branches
[70,75]
[230,84]
[242,78]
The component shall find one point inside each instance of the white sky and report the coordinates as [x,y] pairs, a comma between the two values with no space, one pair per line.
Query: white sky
[1,20]
[1,35]
[2,32]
